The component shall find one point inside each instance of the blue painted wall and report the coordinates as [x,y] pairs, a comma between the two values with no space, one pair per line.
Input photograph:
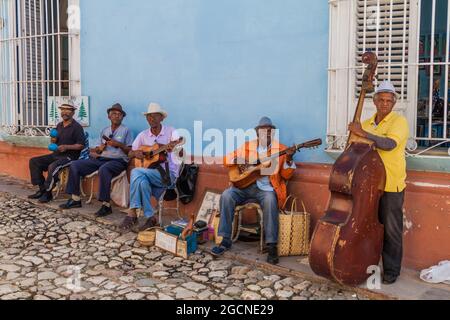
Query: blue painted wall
[226,62]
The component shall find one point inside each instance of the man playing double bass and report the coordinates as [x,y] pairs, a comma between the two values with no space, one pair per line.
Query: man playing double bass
[389,131]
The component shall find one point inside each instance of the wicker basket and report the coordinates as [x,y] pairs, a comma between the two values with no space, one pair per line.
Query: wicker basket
[147,237]
[293,231]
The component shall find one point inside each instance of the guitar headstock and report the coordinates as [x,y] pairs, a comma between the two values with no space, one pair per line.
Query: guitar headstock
[178,142]
[309,144]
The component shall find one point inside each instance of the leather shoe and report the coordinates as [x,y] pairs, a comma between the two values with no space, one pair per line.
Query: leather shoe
[389,279]
[70,204]
[104,211]
[272,256]
[46,197]
[36,195]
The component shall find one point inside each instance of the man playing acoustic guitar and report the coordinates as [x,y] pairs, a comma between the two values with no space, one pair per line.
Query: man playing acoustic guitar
[148,182]
[269,190]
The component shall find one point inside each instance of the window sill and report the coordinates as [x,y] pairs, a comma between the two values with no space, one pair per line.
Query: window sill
[437,162]
[22,141]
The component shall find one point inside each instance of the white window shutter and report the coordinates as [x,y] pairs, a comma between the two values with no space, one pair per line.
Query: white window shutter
[383,28]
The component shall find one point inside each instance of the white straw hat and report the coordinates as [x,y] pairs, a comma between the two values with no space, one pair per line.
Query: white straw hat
[155,108]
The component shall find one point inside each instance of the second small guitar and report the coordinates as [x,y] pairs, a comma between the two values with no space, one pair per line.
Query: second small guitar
[242,176]
[155,154]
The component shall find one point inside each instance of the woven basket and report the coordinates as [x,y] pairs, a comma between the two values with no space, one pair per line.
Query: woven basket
[293,231]
[147,237]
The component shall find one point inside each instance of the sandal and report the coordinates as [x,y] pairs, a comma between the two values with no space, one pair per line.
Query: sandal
[150,223]
[128,223]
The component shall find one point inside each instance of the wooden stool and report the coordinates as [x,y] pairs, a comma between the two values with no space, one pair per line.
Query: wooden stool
[62,183]
[238,227]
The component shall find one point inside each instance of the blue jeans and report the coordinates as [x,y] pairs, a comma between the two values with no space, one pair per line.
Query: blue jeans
[107,170]
[233,197]
[146,183]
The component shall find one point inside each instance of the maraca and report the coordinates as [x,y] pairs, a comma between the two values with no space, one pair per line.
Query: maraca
[53,147]
[53,135]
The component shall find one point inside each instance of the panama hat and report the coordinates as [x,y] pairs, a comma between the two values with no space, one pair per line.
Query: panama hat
[155,108]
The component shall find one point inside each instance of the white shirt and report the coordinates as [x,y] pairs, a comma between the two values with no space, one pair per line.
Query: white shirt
[167,135]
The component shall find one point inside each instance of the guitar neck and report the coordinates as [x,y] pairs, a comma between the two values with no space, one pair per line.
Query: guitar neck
[162,149]
[309,144]
[279,154]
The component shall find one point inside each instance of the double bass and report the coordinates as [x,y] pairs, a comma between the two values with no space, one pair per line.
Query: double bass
[348,239]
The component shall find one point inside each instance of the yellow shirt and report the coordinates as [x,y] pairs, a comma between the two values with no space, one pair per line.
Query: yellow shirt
[395,127]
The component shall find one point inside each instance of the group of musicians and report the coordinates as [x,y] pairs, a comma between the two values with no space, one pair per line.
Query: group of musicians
[387,129]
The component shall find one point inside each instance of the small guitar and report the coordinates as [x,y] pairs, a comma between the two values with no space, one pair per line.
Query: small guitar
[242,176]
[155,154]
[102,148]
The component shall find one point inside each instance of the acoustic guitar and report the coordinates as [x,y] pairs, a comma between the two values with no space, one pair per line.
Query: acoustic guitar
[244,175]
[155,154]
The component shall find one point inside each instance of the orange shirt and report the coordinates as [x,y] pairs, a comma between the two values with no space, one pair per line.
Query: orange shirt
[278,176]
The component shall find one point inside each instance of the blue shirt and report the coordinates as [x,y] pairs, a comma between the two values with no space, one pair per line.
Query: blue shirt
[122,135]
[263,183]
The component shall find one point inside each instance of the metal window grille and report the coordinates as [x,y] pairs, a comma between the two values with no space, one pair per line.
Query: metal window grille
[396,31]
[35,58]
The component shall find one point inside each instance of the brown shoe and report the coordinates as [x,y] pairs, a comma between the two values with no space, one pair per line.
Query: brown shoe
[128,223]
[150,223]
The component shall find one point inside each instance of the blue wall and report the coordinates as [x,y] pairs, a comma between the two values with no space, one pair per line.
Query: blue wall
[226,62]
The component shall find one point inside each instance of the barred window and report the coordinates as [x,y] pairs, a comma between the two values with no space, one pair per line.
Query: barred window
[39,53]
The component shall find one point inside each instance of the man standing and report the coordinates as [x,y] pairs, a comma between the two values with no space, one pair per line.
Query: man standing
[110,159]
[390,133]
[269,190]
[148,182]
[70,142]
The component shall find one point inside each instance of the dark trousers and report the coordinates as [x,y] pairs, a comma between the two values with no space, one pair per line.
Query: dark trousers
[107,170]
[391,216]
[49,163]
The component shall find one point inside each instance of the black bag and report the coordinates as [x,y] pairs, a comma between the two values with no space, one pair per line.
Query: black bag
[186,183]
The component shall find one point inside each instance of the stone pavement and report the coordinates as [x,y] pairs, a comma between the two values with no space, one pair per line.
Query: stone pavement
[49,254]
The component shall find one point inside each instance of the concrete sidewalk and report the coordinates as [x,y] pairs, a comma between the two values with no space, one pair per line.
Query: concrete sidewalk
[408,287]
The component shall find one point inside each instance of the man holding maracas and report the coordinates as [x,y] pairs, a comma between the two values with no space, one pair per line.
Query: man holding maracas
[67,143]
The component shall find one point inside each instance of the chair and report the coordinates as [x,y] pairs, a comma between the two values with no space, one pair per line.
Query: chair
[238,227]
[92,177]
[63,174]
[160,208]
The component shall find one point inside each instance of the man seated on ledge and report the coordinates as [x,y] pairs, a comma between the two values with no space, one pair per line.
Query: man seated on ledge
[110,159]
[153,181]
[269,191]
[70,143]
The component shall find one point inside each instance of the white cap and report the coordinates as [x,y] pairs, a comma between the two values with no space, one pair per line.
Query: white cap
[386,86]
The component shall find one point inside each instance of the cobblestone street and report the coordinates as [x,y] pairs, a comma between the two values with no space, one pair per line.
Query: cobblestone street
[47,254]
